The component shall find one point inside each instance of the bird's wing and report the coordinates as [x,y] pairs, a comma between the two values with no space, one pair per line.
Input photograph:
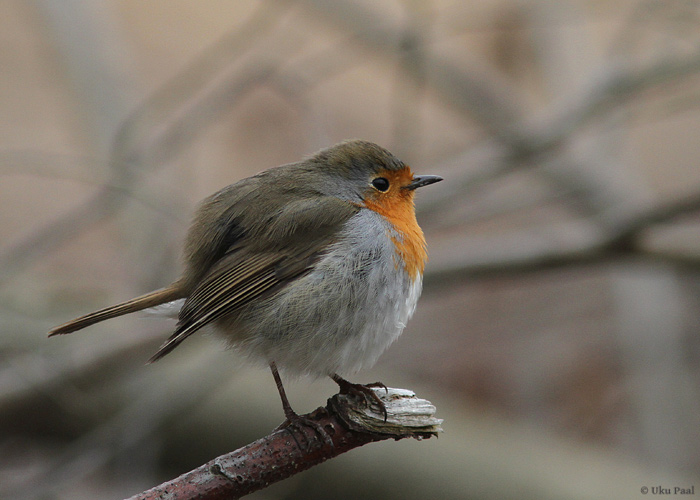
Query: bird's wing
[254,266]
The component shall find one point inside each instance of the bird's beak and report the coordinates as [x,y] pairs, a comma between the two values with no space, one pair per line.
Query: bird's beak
[422,180]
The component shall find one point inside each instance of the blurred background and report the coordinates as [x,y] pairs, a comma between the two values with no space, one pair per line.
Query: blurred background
[558,333]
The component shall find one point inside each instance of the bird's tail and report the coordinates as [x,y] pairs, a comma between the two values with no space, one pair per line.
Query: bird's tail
[162,296]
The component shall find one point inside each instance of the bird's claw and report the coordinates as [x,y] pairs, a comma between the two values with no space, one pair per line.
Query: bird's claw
[364,390]
[299,422]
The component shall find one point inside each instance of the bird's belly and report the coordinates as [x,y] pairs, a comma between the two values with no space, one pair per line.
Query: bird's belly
[339,317]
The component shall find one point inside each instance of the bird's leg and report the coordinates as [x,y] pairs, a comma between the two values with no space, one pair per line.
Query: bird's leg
[364,390]
[292,418]
[288,412]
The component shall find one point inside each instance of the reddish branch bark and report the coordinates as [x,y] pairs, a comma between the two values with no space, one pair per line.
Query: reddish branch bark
[290,450]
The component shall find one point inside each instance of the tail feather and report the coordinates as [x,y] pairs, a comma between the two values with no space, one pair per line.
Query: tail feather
[162,296]
[182,331]
[170,344]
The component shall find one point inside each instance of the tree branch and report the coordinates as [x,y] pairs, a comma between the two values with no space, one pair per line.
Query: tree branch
[622,242]
[347,423]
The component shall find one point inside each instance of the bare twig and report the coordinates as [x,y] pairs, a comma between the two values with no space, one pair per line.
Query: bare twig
[121,433]
[480,92]
[60,230]
[164,124]
[617,85]
[97,60]
[347,422]
[623,241]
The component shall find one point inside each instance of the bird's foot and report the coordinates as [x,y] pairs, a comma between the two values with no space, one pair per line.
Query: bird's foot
[298,422]
[363,390]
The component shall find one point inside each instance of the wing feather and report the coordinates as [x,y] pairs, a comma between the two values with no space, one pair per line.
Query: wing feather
[251,267]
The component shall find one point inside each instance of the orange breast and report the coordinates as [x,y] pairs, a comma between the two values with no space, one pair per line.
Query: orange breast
[397,206]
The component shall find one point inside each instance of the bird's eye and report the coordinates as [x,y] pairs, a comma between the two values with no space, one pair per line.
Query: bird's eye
[380,184]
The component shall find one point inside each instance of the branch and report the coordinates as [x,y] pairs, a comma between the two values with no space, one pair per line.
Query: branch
[347,424]
[616,85]
[164,124]
[622,242]
[480,92]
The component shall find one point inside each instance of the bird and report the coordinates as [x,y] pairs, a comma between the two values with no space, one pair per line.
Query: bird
[314,266]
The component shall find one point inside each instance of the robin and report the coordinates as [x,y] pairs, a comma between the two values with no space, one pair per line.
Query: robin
[315,266]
